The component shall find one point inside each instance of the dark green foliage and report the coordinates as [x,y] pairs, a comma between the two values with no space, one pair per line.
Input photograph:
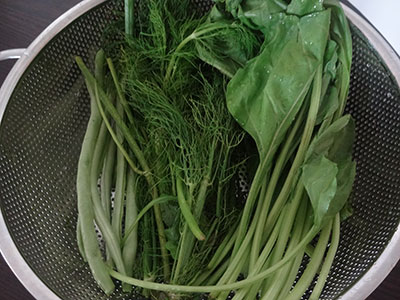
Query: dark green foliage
[189,92]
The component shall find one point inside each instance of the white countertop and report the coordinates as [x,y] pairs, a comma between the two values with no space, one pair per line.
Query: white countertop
[384,15]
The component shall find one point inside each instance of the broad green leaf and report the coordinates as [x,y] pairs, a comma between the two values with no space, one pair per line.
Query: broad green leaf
[304,7]
[336,142]
[169,211]
[331,58]
[340,33]
[329,104]
[265,7]
[266,95]
[345,180]
[331,150]
[256,13]
[314,31]
[218,13]
[347,211]
[232,6]
[172,234]
[172,243]
[319,179]
[342,147]
[330,92]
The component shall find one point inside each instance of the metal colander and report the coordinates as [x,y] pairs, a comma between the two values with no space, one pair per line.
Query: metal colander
[44,110]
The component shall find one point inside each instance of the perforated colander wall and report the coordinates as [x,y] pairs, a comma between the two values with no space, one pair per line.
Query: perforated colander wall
[44,124]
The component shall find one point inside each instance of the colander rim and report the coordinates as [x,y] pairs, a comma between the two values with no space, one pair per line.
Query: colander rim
[360,290]
[8,248]
[388,259]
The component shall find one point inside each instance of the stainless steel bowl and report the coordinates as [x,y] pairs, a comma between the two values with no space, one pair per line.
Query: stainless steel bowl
[44,112]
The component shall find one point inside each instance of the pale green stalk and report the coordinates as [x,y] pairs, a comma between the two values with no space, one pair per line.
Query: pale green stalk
[313,266]
[323,275]
[130,247]
[305,142]
[280,163]
[275,286]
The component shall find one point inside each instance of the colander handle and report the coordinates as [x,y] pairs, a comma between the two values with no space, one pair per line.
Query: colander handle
[11,54]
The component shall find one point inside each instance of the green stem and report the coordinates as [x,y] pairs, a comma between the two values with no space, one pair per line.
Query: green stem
[187,240]
[120,185]
[80,240]
[261,262]
[130,247]
[280,163]
[141,159]
[109,235]
[311,269]
[214,277]
[121,95]
[129,17]
[223,249]
[85,205]
[250,201]
[208,243]
[234,276]
[219,255]
[218,210]
[106,185]
[146,259]
[300,155]
[239,259]
[217,288]
[276,285]
[323,275]
[186,213]
[150,205]
[193,36]
[309,250]
[205,183]
[183,255]
[297,261]
[93,83]
[289,221]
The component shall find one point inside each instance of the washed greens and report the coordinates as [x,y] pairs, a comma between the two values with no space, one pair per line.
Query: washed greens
[176,106]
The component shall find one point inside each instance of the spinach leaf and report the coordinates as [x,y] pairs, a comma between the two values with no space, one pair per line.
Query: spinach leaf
[340,33]
[304,7]
[319,179]
[345,180]
[258,96]
[331,58]
[255,13]
[254,7]
[170,215]
[329,104]
[172,235]
[336,142]
[329,172]
[330,92]
[347,211]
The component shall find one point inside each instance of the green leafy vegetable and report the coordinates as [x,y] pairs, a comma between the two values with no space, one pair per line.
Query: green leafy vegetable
[199,110]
